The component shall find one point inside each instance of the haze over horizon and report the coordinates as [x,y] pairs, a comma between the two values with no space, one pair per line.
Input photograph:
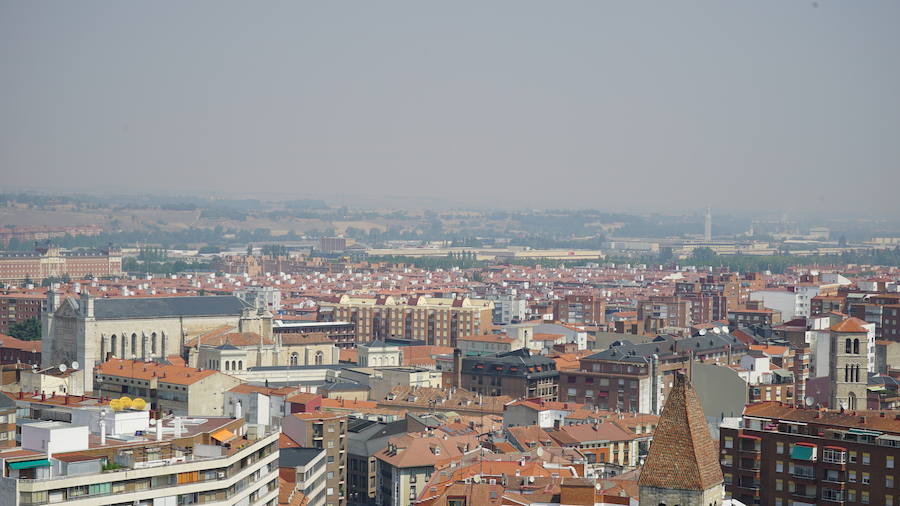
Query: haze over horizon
[651,106]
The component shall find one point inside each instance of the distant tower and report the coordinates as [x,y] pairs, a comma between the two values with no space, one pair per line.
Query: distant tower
[683,464]
[707,229]
[849,364]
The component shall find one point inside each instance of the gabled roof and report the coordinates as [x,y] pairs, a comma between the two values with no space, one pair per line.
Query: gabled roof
[167,307]
[682,455]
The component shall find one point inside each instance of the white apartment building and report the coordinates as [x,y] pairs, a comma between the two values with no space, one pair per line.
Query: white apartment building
[179,461]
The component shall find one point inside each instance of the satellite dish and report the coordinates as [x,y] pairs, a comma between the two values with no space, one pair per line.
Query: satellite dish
[63,367]
[809,401]
[34,367]
[716,330]
[702,332]
[75,364]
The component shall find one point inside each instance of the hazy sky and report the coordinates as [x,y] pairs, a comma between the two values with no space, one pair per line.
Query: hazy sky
[624,105]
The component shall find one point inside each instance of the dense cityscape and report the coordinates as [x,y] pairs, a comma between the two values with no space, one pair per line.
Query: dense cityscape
[389,366]
[468,253]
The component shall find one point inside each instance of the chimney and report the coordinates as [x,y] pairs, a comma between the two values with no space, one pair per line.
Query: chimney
[238,411]
[102,427]
[43,396]
[159,428]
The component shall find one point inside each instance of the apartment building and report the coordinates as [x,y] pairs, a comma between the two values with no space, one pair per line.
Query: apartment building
[744,317]
[515,374]
[437,321]
[714,295]
[487,344]
[303,470]
[580,309]
[17,351]
[881,309]
[661,312]
[367,437]
[118,457]
[783,455]
[637,377]
[19,307]
[343,334]
[180,390]
[406,464]
[325,431]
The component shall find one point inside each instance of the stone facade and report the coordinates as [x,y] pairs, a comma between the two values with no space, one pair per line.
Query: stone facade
[674,497]
[73,331]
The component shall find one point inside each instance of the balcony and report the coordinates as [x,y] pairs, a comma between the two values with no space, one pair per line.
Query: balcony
[747,484]
[805,493]
[833,496]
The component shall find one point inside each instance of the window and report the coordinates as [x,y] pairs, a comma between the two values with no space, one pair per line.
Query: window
[330,491]
[852,457]
[779,485]
[866,478]
[889,462]
[779,466]
[867,458]
[889,481]
[729,442]
[779,447]
[851,476]
[864,496]
[888,500]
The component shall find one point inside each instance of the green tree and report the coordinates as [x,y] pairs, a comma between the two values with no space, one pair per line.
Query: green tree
[28,330]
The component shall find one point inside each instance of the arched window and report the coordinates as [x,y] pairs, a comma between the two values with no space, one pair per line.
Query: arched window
[240,365]
[846,373]
[234,365]
[320,358]
[295,359]
[848,346]
[856,346]
[133,343]
[153,343]
[112,344]
[227,366]
[857,373]
[851,401]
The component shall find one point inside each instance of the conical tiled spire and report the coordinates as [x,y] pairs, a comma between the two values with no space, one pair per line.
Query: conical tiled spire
[682,455]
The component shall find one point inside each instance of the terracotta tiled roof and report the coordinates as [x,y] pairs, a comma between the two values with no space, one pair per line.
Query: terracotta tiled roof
[178,375]
[11,342]
[850,325]
[683,455]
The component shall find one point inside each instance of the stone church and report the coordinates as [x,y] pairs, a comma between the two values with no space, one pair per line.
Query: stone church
[89,330]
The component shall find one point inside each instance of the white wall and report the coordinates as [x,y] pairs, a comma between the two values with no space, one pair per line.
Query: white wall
[54,437]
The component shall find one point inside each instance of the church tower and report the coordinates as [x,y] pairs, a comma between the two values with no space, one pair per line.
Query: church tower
[682,467]
[849,364]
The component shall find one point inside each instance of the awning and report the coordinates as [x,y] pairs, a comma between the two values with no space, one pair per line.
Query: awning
[748,436]
[802,452]
[835,448]
[889,437]
[864,432]
[223,436]
[29,464]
